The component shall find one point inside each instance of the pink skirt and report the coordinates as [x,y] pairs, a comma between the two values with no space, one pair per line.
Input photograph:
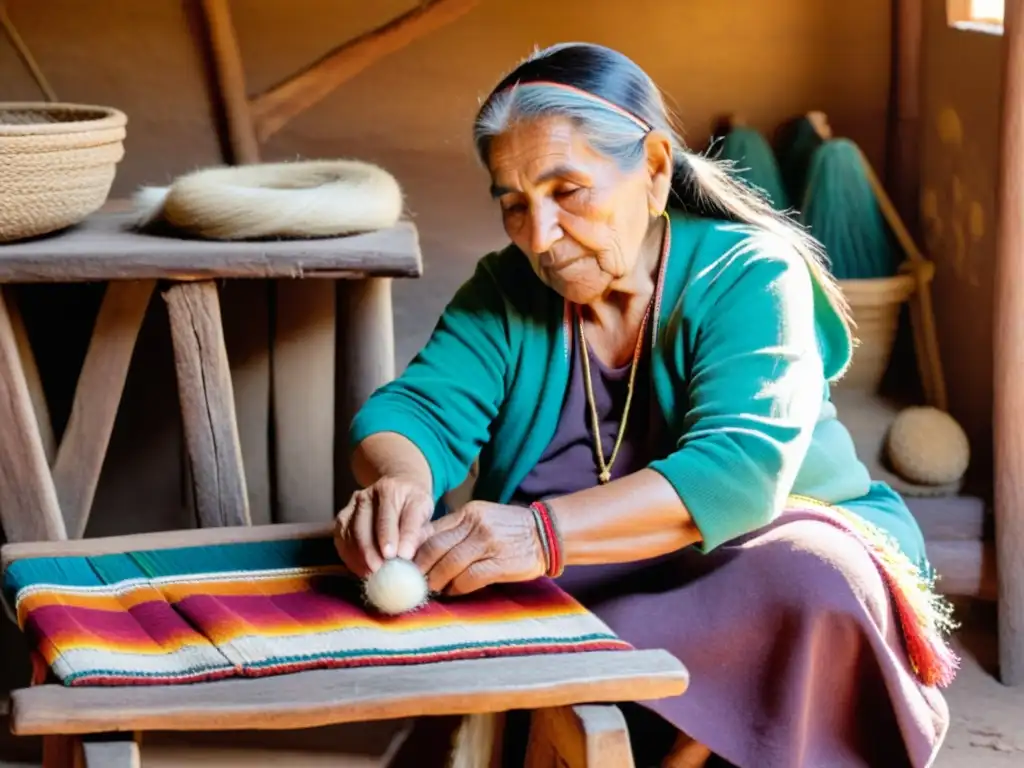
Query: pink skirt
[795,652]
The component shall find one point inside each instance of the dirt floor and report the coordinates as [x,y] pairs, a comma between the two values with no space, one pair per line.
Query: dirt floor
[987,729]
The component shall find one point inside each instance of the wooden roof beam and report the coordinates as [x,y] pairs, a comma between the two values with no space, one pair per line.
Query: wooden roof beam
[273,109]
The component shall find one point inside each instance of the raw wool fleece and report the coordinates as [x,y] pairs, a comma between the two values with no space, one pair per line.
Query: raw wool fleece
[396,587]
[315,198]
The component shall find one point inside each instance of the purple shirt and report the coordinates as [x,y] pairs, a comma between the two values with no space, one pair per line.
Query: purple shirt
[569,463]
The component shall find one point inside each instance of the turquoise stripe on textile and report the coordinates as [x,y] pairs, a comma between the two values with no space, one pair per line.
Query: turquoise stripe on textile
[249,556]
[183,561]
[69,571]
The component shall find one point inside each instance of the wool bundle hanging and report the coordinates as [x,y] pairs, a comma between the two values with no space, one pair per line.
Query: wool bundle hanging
[753,162]
[841,210]
[796,143]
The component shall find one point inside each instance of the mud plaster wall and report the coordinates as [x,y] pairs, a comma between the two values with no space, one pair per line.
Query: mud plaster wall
[962,81]
[411,113]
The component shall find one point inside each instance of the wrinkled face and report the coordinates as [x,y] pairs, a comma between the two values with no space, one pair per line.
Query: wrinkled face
[575,213]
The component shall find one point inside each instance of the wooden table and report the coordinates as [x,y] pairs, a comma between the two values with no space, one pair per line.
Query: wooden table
[46,490]
[565,691]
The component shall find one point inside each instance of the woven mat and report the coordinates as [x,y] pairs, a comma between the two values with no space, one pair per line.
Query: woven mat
[254,609]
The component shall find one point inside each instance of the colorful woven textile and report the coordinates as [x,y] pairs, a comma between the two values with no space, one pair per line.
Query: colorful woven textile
[254,609]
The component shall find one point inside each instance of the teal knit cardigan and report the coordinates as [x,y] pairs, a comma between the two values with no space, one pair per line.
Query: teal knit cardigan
[744,343]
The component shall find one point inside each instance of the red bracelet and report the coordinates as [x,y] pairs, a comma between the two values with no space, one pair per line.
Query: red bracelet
[550,534]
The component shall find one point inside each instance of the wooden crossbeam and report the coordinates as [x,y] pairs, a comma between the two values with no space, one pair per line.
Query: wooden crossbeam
[274,108]
[230,76]
[67,490]
[28,500]
[76,471]
[32,378]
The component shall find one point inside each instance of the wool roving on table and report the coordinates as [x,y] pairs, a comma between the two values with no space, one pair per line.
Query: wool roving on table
[295,199]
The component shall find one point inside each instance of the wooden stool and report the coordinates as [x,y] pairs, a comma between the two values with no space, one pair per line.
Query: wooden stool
[572,695]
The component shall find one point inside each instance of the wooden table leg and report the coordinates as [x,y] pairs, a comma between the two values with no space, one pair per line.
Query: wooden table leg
[114,750]
[207,404]
[61,751]
[76,471]
[29,509]
[477,742]
[245,310]
[585,736]
[365,360]
[303,383]
[32,377]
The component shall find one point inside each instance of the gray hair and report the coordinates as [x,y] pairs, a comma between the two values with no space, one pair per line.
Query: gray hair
[701,185]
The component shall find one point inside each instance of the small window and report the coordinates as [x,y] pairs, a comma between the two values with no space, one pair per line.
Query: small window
[976,15]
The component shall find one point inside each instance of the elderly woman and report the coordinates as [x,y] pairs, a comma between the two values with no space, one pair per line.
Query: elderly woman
[643,375]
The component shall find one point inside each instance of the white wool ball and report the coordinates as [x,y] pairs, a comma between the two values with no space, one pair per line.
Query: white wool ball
[928,446]
[398,586]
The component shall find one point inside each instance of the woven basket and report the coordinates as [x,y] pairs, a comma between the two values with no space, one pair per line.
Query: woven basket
[875,305]
[57,163]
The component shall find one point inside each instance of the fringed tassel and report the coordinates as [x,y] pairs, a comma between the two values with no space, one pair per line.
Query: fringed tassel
[925,616]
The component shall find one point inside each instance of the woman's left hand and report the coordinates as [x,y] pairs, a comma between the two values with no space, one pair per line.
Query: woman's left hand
[481,544]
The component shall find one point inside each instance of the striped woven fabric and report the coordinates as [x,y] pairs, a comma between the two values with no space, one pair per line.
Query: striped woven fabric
[254,609]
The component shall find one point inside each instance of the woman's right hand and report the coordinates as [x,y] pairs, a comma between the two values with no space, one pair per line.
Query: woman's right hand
[389,518]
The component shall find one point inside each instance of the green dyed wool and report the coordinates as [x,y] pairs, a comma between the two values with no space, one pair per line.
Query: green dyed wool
[840,209]
[754,163]
[796,144]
